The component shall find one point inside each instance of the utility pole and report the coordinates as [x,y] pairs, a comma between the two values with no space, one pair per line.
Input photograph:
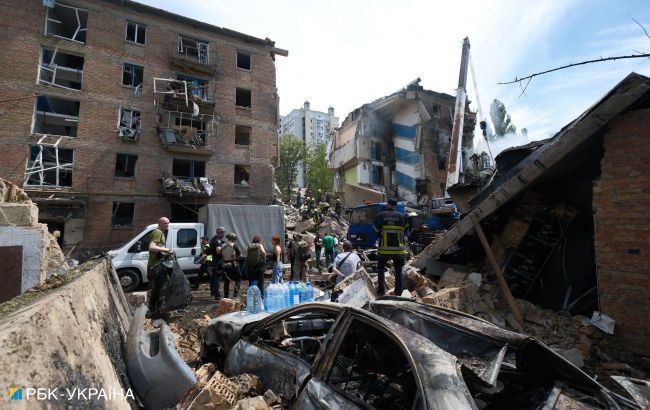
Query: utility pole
[454,162]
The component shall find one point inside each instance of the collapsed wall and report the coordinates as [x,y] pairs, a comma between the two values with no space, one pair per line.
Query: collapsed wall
[69,337]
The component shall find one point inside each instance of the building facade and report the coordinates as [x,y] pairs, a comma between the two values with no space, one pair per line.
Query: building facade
[397,146]
[115,113]
[313,127]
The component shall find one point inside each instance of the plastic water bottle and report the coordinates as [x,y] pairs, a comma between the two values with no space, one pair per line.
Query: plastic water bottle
[278,297]
[285,295]
[268,300]
[301,292]
[309,291]
[253,299]
[294,295]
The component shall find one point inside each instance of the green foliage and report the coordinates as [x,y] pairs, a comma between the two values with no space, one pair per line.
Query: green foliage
[292,152]
[318,175]
[501,120]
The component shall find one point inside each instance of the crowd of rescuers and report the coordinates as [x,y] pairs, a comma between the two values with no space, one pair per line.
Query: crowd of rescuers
[221,257]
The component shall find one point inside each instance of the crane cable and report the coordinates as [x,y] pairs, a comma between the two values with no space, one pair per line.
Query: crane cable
[478,103]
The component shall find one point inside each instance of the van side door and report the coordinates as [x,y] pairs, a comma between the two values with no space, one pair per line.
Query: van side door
[186,244]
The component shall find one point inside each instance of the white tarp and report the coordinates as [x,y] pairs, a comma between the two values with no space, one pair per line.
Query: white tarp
[246,221]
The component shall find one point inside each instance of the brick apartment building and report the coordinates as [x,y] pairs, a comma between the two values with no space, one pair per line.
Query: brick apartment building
[114,113]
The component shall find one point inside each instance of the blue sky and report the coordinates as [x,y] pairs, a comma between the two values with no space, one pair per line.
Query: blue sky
[345,53]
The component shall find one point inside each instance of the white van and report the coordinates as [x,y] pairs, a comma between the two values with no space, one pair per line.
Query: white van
[130,260]
[184,238]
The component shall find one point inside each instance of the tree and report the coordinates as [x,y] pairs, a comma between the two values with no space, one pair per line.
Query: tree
[318,175]
[501,120]
[292,153]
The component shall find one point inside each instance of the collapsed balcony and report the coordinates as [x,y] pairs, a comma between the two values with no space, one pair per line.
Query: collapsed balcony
[175,186]
[185,119]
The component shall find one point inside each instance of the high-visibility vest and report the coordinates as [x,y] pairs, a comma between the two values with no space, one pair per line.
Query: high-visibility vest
[391,240]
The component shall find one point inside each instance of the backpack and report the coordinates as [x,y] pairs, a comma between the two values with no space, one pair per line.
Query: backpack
[228,252]
[253,255]
[303,251]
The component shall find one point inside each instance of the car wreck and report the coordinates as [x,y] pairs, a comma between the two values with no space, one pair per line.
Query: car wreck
[396,353]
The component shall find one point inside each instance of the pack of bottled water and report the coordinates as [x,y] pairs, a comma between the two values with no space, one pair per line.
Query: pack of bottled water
[278,296]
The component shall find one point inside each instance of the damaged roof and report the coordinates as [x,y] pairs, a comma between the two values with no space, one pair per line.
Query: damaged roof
[544,160]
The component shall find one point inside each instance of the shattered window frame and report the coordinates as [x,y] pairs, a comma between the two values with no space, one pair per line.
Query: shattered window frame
[435,111]
[135,72]
[126,212]
[243,95]
[201,49]
[195,169]
[53,164]
[136,33]
[125,165]
[198,87]
[242,172]
[50,69]
[243,64]
[81,17]
[129,123]
[243,135]
[63,115]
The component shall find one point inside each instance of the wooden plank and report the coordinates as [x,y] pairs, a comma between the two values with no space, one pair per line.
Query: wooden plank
[495,266]
[12,272]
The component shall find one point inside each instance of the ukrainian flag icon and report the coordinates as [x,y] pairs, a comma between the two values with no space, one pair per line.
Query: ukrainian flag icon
[15,393]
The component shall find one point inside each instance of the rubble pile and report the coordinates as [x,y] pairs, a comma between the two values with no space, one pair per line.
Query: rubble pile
[187,336]
[216,391]
[573,337]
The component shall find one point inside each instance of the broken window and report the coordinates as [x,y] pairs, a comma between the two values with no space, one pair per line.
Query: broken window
[242,175]
[436,111]
[194,49]
[135,32]
[189,130]
[122,214]
[129,123]
[188,168]
[197,86]
[361,372]
[243,98]
[243,60]
[242,135]
[49,166]
[132,75]
[55,116]
[60,69]
[125,165]
[67,22]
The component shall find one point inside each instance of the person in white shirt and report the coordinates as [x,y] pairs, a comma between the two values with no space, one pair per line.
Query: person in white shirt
[346,262]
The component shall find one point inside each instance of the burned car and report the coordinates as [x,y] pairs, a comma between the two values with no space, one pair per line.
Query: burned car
[397,354]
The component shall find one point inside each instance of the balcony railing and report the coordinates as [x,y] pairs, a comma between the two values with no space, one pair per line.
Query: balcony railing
[195,57]
[187,187]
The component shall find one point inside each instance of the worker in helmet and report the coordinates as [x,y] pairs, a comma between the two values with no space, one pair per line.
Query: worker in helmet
[231,253]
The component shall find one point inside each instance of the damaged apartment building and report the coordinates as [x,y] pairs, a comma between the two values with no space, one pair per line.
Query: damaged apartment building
[115,113]
[397,146]
[567,221]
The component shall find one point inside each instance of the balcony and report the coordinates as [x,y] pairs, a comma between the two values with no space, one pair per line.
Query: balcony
[179,187]
[190,54]
[186,140]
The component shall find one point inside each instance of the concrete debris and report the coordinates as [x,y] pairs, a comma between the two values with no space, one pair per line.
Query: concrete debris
[270,398]
[229,305]
[12,193]
[475,278]
[575,356]
[247,385]
[253,403]
[218,393]
[451,278]
[138,298]
[306,225]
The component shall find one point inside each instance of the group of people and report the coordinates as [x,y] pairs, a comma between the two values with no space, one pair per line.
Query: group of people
[221,256]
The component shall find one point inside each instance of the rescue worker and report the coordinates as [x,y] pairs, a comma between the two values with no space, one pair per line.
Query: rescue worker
[205,260]
[230,254]
[338,207]
[390,225]
[216,268]
[303,254]
[256,262]
[156,250]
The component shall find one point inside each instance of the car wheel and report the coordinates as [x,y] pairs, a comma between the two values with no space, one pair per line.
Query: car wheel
[129,279]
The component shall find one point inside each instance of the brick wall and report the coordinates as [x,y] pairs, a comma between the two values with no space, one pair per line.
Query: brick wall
[622,228]
[102,94]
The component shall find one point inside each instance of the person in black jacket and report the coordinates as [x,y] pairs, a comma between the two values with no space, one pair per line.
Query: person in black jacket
[216,270]
[389,226]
